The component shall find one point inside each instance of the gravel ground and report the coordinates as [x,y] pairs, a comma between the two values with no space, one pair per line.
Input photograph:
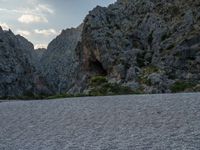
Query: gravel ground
[141,122]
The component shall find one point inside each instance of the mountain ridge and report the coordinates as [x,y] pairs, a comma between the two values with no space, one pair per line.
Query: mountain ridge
[18,74]
[150,46]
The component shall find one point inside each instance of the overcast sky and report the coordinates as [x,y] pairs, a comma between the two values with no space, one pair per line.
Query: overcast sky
[42,20]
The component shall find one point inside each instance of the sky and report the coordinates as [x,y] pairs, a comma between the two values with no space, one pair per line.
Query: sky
[42,20]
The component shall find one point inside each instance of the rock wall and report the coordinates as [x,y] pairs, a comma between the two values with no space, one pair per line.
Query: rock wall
[151,46]
[58,61]
[39,53]
[18,75]
[144,44]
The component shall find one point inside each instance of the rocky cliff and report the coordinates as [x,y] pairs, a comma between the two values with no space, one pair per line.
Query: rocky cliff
[39,53]
[149,45]
[18,75]
[58,61]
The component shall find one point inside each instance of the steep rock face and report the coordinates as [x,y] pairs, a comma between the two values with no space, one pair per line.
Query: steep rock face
[145,44]
[39,52]
[18,75]
[58,61]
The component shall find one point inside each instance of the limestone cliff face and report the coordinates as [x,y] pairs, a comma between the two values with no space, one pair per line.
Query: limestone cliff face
[39,53]
[18,75]
[58,61]
[152,46]
[145,44]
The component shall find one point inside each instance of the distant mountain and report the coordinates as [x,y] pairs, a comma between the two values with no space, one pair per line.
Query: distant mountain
[18,76]
[58,61]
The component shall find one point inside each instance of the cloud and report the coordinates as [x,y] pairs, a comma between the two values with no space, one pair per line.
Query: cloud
[39,9]
[5,10]
[23,32]
[46,32]
[44,8]
[4,26]
[33,12]
[32,19]
[40,46]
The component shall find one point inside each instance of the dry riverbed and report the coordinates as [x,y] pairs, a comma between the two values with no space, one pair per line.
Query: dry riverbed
[157,122]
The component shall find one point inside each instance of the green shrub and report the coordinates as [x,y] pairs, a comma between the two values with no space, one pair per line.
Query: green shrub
[197,88]
[99,90]
[110,89]
[143,78]
[63,95]
[97,80]
[29,94]
[100,86]
[3,97]
[181,86]
[150,69]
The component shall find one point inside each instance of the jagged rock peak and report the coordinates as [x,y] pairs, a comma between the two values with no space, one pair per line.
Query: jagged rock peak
[79,28]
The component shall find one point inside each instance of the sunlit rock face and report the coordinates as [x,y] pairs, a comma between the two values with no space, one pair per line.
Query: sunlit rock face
[58,61]
[145,44]
[18,75]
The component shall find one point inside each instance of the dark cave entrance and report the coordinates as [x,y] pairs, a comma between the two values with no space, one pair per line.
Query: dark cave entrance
[96,67]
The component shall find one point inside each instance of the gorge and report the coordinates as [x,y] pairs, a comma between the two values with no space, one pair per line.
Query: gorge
[145,46]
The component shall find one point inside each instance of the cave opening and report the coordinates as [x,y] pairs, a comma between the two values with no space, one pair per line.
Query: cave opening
[96,67]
